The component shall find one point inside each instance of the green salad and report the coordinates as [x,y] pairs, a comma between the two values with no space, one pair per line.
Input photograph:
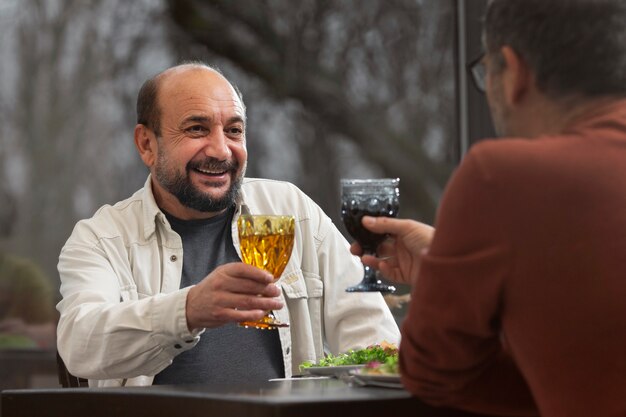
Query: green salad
[379,353]
[388,367]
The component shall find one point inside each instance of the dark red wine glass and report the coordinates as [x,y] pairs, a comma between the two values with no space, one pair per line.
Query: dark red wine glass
[368,197]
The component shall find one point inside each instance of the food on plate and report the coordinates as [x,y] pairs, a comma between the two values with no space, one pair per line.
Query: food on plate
[378,353]
[388,367]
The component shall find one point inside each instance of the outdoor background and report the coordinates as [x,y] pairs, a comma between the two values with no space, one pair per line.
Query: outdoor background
[334,89]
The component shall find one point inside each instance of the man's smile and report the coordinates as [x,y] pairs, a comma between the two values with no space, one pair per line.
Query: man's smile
[211,171]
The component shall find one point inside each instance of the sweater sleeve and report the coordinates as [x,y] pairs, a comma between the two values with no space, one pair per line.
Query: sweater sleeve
[452,352]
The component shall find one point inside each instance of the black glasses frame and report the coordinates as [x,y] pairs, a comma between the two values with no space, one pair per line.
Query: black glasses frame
[477,70]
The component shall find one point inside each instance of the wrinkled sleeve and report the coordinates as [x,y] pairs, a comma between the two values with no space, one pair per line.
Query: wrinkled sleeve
[451,352]
[106,330]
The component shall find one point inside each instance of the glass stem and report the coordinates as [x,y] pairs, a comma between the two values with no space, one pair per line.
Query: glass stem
[369,274]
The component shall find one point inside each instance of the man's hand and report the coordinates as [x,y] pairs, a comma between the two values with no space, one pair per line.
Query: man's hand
[233,292]
[398,256]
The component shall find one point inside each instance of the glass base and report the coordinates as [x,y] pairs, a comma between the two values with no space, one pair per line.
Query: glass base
[269,322]
[372,287]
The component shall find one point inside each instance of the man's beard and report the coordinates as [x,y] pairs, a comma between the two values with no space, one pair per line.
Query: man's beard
[179,184]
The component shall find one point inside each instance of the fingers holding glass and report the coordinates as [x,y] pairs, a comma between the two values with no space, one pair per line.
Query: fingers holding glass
[370,197]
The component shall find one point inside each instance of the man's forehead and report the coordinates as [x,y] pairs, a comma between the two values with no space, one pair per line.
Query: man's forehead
[195,81]
[195,78]
[186,72]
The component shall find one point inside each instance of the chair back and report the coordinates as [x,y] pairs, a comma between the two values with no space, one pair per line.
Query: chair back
[66,379]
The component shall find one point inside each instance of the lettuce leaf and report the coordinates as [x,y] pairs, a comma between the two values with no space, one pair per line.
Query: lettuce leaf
[375,353]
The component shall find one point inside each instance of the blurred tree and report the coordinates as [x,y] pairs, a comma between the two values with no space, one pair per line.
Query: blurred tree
[373,79]
[334,89]
[66,98]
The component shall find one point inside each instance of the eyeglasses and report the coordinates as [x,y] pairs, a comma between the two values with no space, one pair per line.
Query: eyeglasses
[477,68]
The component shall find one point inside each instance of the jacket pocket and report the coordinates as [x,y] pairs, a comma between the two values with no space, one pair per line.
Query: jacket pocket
[297,284]
[304,297]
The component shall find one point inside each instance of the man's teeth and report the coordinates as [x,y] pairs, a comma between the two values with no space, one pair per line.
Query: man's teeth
[209,172]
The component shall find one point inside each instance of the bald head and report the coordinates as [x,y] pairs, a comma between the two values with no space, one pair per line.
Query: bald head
[148,108]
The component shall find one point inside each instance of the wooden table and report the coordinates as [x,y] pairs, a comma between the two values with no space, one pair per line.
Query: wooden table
[286,398]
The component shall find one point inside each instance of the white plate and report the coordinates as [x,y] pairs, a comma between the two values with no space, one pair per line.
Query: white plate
[376,380]
[335,371]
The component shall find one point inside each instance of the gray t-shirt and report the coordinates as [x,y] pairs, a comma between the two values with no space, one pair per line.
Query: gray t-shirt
[228,354]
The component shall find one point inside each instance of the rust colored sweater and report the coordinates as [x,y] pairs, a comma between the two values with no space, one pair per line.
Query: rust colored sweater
[521,299]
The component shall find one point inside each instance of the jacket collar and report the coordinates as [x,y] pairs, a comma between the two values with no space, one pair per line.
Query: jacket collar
[151,211]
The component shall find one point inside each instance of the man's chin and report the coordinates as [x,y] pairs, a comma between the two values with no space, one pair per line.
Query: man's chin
[208,202]
[214,193]
[213,186]
[222,194]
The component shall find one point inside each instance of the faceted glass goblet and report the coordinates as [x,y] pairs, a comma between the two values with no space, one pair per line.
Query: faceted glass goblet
[266,241]
[368,197]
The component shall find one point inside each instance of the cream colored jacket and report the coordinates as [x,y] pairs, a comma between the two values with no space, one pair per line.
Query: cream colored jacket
[123,312]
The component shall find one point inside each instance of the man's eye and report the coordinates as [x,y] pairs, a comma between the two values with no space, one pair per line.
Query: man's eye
[234,130]
[197,129]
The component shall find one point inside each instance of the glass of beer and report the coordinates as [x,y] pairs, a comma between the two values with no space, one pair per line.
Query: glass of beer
[266,242]
[369,197]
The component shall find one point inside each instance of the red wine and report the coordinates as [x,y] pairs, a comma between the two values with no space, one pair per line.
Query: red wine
[353,210]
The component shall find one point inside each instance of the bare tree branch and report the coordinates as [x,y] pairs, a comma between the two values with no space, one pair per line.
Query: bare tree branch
[258,43]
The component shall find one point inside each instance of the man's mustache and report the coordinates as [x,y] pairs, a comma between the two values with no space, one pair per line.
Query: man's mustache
[212,164]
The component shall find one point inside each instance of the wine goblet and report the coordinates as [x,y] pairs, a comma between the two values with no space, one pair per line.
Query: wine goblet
[368,197]
[266,241]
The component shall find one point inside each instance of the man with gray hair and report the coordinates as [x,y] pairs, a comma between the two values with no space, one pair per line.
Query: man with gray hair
[518,305]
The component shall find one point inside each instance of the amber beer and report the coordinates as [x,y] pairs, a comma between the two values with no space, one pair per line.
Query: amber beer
[269,252]
[266,241]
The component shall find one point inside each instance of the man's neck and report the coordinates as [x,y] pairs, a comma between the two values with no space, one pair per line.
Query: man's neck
[546,116]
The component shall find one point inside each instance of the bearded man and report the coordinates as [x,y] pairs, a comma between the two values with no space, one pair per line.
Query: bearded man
[153,287]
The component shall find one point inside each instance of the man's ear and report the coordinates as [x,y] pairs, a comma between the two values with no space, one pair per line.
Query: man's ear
[146,144]
[516,76]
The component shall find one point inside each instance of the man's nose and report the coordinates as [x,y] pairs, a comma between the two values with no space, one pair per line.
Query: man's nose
[217,146]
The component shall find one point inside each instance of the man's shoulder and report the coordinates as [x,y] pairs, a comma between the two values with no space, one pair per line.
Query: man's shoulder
[131,206]
[502,147]
[517,146]
[520,153]
[273,196]
[267,188]
[113,220]
[261,183]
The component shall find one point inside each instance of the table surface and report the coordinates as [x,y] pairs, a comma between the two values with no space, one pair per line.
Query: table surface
[286,398]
